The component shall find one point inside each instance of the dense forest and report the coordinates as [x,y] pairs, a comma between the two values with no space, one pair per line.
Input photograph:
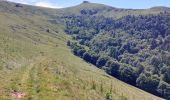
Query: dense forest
[134,49]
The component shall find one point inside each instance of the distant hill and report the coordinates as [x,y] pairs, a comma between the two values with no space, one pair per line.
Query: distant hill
[36,63]
[108,11]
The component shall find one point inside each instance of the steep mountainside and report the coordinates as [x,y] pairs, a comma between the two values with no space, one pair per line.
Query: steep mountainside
[134,48]
[36,63]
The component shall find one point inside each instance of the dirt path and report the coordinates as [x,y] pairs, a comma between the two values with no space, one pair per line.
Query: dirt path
[29,82]
[27,72]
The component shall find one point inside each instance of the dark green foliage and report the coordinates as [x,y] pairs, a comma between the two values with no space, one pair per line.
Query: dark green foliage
[155,61]
[164,90]
[166,75]
[18,5]
[166,43]
[113,68]
[128,75]
[87,57]
[101,61]
[68,43]
[135,49]
[76,48]
[139,69]
[81,52]
[88,12]
[94,59]
[86,2]
[148,82]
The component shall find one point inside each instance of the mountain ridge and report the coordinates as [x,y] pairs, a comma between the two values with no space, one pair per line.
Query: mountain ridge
[162,8]
[93,8]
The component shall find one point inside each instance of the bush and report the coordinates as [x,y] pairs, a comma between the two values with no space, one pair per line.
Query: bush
[109,95]
[94,59]
[101,62]
[128,75]
[87,57]
[81,52]
[148,83]
[113,68]
[164,90]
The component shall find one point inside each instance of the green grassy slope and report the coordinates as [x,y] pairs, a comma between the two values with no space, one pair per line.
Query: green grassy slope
[38,63]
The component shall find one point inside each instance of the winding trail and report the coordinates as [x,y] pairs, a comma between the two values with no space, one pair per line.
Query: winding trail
[30,79]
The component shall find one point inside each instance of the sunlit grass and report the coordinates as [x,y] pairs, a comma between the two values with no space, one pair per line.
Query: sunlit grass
[39,64]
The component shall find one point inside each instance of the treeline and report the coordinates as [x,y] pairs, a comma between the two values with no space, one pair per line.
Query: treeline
[135,49]
[113,67]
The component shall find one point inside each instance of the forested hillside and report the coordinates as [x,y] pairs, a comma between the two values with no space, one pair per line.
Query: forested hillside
[133,48]
[38,47]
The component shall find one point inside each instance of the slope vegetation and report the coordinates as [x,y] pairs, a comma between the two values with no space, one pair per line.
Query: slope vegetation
[133,48]
[35,61]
